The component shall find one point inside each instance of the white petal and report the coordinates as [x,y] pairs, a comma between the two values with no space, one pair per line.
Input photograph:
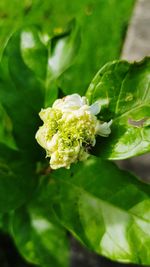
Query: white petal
[44,113]
[85,100]
[41,136]
[51,145]
[103,129]
[58,103]
[95,108]
[70,103]
[75,99]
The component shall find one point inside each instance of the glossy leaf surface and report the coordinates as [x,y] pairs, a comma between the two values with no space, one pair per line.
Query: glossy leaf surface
[107,209]
[63,51]
[39,240]
[123,90]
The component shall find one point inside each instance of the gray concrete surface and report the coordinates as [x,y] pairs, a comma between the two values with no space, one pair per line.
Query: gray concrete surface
[137,43]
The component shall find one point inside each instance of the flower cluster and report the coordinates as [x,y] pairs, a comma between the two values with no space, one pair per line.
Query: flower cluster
[69,130]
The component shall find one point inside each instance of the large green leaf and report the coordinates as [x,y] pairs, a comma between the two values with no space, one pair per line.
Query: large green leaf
[107,209]
[124,92]
[17,179]
[39,239]
[28,67]
[21,95]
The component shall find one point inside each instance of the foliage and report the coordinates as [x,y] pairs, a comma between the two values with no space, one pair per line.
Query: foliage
[102,23]
[105,208]
[124,92]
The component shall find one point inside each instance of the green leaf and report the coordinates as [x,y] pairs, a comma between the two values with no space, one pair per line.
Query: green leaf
[39,240]
[5,222]
[17,179]
[36,55]
[33,51]
[48,57]
[27,69]
[6,136]
[123,90]
[107,209]
[63,51]
[52,16]
[96,19]
[21,95]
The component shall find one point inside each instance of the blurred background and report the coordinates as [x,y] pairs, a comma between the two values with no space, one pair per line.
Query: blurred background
[110,29]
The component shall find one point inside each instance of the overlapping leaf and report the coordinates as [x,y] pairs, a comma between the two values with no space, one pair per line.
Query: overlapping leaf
[28,67]
[39,239]
[96,19]
[106,209]
[124,92]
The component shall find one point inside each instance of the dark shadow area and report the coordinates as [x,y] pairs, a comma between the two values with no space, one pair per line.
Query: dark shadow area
[9,256]
[80,256]
[83,258]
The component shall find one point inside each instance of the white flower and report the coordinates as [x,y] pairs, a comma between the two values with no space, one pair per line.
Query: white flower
[70,128]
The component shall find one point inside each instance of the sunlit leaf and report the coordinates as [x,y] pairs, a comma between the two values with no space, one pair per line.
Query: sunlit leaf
[39,240]
[63,51]
[106,209]
[123,90]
